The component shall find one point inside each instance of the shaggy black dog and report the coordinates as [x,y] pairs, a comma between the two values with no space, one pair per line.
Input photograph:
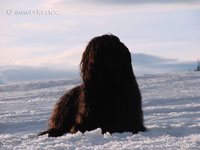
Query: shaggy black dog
[108,98]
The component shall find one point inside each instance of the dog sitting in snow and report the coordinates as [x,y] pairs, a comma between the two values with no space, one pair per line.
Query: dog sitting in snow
[108,98]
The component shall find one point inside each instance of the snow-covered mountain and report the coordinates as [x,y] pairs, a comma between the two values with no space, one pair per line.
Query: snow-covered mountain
[142,64]
[171,105]
[148,64]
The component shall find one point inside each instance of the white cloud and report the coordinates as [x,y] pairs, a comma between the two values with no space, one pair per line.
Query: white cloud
[5,33]
[69,58]
[61,25]
[23,42]
[90,7]
[116,2]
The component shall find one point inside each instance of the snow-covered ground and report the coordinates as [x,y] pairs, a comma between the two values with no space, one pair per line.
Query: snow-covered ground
[171,105]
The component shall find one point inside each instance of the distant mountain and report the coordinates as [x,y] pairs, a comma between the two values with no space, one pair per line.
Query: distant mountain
[144,59]
[24,73]
[2,82]
[1,79]
[142,64]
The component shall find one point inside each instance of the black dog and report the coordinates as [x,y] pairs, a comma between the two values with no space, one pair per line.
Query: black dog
[108,98]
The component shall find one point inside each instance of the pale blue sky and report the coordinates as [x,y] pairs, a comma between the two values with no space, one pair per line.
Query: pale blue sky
[166,28]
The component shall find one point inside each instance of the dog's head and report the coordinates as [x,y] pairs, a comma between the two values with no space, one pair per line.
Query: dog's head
[105,57]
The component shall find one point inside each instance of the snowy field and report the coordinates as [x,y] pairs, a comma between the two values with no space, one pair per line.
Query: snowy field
[171,105]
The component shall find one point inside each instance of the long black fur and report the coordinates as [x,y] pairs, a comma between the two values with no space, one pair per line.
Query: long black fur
[109,97]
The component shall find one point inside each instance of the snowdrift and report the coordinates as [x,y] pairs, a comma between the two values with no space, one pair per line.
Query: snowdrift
[171,105]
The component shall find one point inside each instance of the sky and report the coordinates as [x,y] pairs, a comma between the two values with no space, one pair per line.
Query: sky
[54,33]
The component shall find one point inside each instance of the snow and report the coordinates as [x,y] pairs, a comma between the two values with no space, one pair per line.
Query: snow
[171,105]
